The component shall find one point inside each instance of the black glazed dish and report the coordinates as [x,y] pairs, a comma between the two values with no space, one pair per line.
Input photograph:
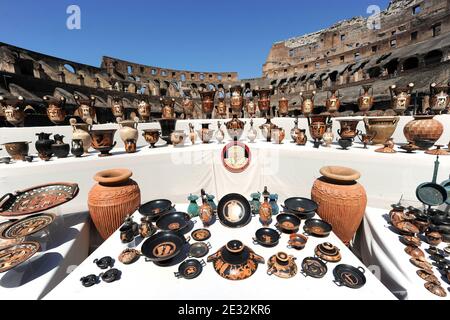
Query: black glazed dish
[201,235]
[173,221]
[317,228]
[266,237]
[163,246]
[288,223]
[300,206]
[199,250]
[190,269]
[348,276]
[156,208]
[234,211]
[314,267]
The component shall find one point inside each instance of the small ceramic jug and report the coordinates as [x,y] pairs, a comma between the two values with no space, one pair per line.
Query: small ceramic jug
[193,206]
[220,135]
[273,203]
[255,203]
[252,133]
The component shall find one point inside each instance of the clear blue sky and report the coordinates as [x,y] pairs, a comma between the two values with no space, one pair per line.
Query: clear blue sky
[199,35]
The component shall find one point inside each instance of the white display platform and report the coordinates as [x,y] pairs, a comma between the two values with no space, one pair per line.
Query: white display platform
[381,249]
[64,245]
[144,280]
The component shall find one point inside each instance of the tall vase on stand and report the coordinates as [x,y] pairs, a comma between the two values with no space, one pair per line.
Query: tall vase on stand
[207,98]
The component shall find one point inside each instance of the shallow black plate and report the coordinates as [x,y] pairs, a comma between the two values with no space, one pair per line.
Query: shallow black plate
[156,208]
[199,250]
[351,277]
[432,194]
[302,216]
[190,269]
[318,228]
[288,223]
[163,246]
[300,205]
[314,267]
[173,221]
[234,211]
[446,185]
[266,237]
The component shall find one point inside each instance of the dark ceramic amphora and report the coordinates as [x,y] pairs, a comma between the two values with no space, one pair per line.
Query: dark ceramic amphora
[77,148]
[59,148]
[44,146]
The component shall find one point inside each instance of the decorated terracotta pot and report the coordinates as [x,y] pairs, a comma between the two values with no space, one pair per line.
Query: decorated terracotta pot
[188,107]
[235,127]
[440,100]
[264,100]
[382,128]
[267,128]
[401,98]
[283,107]
[366,100]
[282,265]
[328,137]
[17,150]
[333,102]
[205,211]
[318,126]
[112,199]
[177,138]
[236,100]
[117,108]
[222,108]
[278,135]
[103,141]
[168,108]
[13,111]
[349,129]
[207,98]
[86,109]
[265,210]
[301,139]
[307,103]
[144,110]
[341,200]
[151,136]
[128,130]
[251,108]
[80,131]
[55,110]
[423,128]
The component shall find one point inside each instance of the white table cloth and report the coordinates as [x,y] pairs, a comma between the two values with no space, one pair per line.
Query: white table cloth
[144,280]
[381,250]
[64,245]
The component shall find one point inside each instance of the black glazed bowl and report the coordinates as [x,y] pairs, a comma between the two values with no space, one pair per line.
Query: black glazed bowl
[156,208]
[317,228]
[288,223]
[173,221]
[266,237]
[300,205]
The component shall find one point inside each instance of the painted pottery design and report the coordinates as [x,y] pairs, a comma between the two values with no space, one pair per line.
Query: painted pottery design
[264,100]
[103,141]
[112,199]
[117,108]
[267,128]
[128,130]
[235,127]
[77,148]
[252,133]
[192,134]
[37,199]
[278,135]
[167,127]
[13,111]
[237,99]
[314,267]
[59,148]
[401,98]
[423,128]
[283,107]
[177,138]
[15,255]
[349,129]
[436,289]
[201,235]
[151,136]
[55,110]
[328,252]
[440,100]
[333,102]
[341,200]
[220,135]
[188,107]
[235,261]
[301,139]
[44,146]
[222,108]
[207,98]
[167,108]
[307,103]
[27,226]
[129,256]
[265,210]
[144,110]
[282,265]
[382,128]
[17,150]
[206,212]
[81,132]
[318,126]
[251,108]
[295,130]
[205,134]
[86,109]
[328,137]
[366,100]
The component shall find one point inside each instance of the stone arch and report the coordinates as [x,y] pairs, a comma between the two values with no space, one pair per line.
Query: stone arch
[433,57]
[410,63]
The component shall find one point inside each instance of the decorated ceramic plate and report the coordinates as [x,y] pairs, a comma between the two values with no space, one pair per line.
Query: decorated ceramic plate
[37,199]
[201,235]
[349,276]
[27,226]
[15,255]
[234,211]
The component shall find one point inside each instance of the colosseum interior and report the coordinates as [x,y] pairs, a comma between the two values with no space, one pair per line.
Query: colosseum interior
[412,46]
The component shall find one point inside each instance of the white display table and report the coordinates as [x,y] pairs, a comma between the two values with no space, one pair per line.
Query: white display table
[144,280]
[64,245]
[381,249]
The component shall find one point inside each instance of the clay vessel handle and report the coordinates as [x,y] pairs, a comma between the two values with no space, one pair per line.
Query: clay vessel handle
[4,199]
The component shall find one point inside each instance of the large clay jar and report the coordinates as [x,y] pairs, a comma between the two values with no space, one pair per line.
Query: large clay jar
[333,103]
[341,200]
[382,128]
[423,128]
[81,132]
[113,198]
